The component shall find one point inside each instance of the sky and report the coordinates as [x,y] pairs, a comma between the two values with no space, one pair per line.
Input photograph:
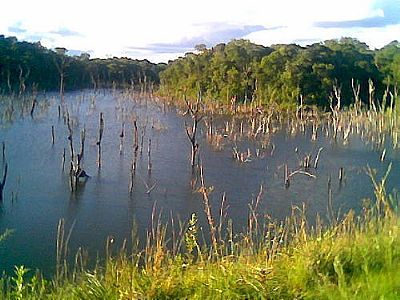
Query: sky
[160,30]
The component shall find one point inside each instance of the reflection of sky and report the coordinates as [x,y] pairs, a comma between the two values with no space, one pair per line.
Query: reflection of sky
[162,30]
[103,206]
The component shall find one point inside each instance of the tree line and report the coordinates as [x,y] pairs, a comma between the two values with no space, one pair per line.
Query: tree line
[238,71]
[243,71]
[28,67]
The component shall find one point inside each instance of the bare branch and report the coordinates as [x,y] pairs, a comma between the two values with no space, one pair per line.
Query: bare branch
[301,172]
[3,182]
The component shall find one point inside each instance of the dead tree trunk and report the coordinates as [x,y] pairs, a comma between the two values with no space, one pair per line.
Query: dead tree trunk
[3,151]
[101,130]
[77,171]
[61,64]
[194,111]
[134,159]
[135,147]
[371,91]
[3,181]
[341,174]
[52,135]
[356,94]
[63,160]
[335,110]
[142,139]
[71,146]
[62,84]
[149,164]
[286,177]
[83,137]
[121,139]
[33,107]
[9,81]
[22,79]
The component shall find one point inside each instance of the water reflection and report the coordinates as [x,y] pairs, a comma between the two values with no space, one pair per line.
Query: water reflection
[238,156]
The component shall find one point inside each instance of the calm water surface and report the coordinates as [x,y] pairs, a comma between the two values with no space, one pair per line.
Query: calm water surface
[37,192]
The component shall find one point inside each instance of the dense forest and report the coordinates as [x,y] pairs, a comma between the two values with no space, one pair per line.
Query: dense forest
[240,71]
[28,67]
[244,71]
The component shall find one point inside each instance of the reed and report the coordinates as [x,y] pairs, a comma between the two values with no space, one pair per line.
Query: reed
[355,257]
[350,256]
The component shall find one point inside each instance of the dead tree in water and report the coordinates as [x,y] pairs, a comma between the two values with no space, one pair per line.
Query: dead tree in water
[34,102]
[77,171]
[194,111]
[135,154]
[71,145]
[52,135]
[63,160]
[61,63]
[135,146]
[101,130]
[22,79]
[142,138]
[121,138]
[3,181]
[3,151]
[335,109]
[149,164]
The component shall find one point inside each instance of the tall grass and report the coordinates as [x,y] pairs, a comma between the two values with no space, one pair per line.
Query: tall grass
[356,257]
[352,257]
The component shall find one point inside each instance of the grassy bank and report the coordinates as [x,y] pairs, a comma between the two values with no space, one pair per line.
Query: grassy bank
[356,257]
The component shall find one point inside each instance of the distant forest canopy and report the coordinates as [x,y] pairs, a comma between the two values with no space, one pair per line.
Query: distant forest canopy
[238,70]
[245,71]
[26,67]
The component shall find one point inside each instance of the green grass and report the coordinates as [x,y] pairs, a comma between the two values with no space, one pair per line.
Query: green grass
[357,257]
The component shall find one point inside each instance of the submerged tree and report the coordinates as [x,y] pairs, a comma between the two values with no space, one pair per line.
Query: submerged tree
[3,181]
[61,62]
[191,131]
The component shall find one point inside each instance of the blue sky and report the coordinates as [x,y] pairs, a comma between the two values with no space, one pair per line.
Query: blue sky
[160,30]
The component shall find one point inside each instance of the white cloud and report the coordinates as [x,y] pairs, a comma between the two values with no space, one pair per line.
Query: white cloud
[109,28]
[378,37]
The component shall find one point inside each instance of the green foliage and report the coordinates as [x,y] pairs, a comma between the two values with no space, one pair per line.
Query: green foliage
[191,235]
[248,72]
[357,257]
[19,282]
[387,60]
[220,73]
[30,66]
[239,71]
[92,288]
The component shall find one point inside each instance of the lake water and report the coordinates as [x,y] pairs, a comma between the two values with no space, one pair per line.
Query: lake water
[37,192]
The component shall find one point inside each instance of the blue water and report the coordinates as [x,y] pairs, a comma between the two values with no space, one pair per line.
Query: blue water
[37,193]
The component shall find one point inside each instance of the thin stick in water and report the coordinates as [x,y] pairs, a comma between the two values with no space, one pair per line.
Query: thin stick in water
[52,135]
[149,164]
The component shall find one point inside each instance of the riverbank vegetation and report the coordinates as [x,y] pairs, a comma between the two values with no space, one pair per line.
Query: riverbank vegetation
[354,257]
[29,67]
[336,256]
[241,71]
[236,72]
